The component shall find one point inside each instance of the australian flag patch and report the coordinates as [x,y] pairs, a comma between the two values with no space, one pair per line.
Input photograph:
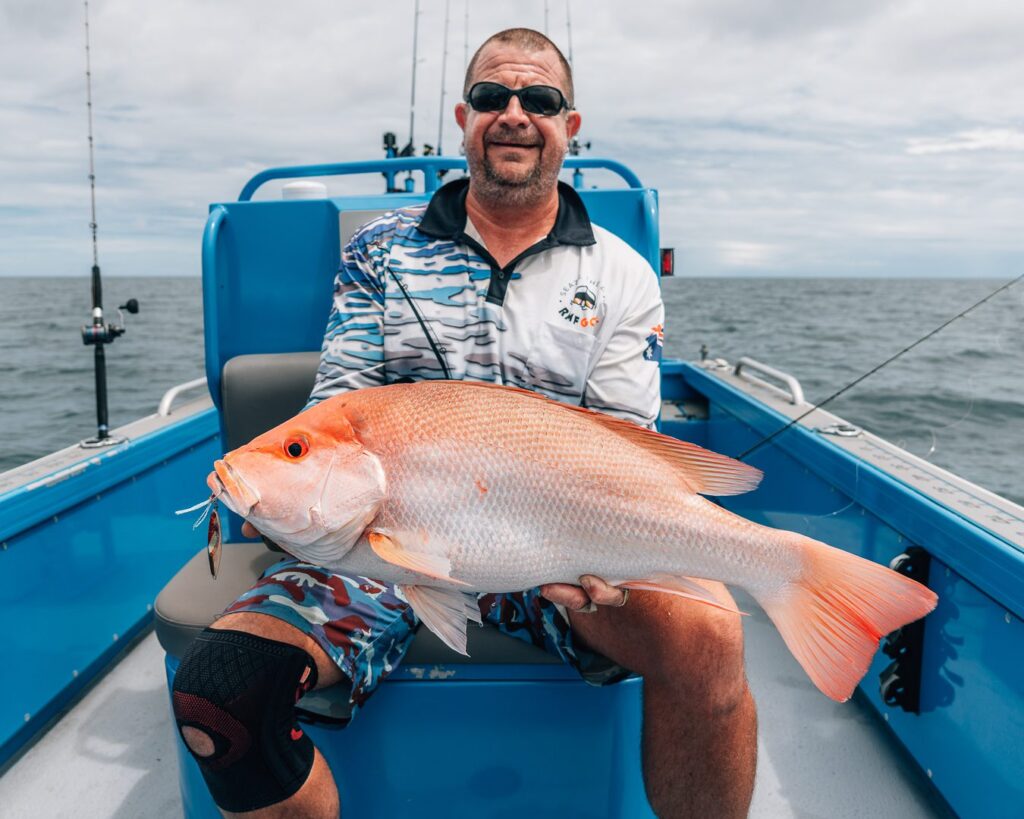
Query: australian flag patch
[652,352]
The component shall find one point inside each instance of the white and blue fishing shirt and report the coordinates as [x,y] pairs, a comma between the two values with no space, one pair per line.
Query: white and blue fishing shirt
[578,316]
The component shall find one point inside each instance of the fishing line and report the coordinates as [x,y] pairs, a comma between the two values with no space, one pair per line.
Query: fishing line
[92,168]
[210,504]
[426,332]
[962,418]
[888,361]
[333,382]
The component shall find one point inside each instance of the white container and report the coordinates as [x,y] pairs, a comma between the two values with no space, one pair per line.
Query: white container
[303,189]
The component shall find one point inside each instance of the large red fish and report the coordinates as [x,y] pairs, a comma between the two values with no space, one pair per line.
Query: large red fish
[448,488]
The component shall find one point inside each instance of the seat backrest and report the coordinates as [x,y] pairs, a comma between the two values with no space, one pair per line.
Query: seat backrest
[268,267]
[258,392]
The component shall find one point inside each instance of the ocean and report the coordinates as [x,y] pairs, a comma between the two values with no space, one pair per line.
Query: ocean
[956,400]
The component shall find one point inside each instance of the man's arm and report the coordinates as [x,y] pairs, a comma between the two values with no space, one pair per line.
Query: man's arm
[626,381]
[352,355]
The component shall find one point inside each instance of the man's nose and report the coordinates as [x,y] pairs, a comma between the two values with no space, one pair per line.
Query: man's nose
[514,114]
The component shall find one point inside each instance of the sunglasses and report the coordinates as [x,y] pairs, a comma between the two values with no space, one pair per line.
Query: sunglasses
[545,100]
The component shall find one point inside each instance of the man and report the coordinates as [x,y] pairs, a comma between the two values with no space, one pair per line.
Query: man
[500,278]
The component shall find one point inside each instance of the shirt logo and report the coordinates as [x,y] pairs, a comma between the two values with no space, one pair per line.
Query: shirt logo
[654,343]
[578,301]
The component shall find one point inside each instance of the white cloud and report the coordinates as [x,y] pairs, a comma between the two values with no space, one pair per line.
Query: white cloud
[748,254]
[805,136]
[981,139]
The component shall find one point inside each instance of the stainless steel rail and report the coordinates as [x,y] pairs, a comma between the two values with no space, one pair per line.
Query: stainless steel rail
[169,397]
[795,395]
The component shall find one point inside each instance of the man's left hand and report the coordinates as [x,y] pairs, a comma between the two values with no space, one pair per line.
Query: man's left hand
[586,597]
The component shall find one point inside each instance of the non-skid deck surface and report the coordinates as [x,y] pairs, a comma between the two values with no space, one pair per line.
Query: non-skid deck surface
[112,756]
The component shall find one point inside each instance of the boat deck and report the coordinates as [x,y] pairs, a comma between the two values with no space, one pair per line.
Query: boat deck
[112,755]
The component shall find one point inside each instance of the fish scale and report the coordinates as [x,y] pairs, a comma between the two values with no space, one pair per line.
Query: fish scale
[446,488]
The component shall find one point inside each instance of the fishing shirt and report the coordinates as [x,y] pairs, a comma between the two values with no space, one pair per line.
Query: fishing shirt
[578,316]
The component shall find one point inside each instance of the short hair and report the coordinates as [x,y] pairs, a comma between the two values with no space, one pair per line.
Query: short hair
[528,40]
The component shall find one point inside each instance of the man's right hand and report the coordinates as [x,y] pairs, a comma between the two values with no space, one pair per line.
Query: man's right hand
[585,598]
[251,531]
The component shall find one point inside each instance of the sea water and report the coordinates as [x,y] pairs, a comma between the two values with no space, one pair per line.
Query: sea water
[956,400]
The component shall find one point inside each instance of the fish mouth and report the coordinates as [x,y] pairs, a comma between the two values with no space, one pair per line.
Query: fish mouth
[227,485]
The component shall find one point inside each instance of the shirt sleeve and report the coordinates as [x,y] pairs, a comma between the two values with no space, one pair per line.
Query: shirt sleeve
[626,380]
[352,355]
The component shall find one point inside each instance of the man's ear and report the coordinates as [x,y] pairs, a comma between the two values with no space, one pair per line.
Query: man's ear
[461,112]
[573,120]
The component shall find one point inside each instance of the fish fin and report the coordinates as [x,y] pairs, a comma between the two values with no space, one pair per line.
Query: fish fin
[443,611]
[681,587]
[834,614]
[706,472]
[436,566]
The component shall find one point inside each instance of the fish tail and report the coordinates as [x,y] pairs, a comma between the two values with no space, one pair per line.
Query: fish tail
[833,615]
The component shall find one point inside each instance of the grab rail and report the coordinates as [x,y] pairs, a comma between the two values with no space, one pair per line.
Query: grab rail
[796,392]
[165,403]
[211,340]
[428,165]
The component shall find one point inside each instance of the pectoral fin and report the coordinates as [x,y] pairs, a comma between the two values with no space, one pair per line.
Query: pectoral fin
[431,565]
[679,586]
[444,612]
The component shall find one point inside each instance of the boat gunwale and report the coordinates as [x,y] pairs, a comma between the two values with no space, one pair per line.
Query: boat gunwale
[985,559]
[47,488]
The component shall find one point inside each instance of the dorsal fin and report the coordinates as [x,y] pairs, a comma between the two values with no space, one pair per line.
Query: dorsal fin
[707,472]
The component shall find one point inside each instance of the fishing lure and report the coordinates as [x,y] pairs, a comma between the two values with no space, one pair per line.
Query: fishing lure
[214,540]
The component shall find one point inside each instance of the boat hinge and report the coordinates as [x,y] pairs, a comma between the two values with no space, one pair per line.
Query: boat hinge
[900,682]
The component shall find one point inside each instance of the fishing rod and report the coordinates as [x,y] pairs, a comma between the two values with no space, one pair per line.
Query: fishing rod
[444,67]
[465,40]
[575,146]
[465,59]
[99,333]
[874,370]
[568,29]
[410,149]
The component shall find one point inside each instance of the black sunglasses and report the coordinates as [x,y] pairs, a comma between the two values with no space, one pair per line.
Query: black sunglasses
[535,99]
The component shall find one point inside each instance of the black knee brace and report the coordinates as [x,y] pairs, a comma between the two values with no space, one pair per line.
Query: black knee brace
[240,691]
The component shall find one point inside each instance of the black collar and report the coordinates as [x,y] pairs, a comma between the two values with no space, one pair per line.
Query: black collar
[445,217]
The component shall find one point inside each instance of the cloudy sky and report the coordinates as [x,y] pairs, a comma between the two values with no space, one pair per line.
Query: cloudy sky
[786,137]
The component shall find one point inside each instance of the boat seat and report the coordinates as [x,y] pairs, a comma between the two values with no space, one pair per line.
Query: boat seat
[259,392]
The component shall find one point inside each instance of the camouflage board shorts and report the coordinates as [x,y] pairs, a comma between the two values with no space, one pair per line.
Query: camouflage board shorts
[366,626]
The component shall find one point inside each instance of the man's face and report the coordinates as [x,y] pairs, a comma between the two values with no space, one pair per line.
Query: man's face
[512,155]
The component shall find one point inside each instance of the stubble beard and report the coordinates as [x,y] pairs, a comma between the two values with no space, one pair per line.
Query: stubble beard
[494,188]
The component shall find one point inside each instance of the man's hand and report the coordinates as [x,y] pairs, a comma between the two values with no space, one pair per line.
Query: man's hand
[251,531]
[585,598]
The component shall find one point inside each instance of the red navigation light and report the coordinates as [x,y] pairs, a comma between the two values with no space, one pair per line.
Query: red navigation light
[668,261]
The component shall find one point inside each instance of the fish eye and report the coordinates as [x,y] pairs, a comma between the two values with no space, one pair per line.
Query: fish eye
[296,446]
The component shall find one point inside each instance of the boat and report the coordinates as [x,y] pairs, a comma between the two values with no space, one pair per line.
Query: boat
[933,730]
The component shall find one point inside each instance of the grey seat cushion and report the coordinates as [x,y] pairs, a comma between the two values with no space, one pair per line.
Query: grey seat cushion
[193,599]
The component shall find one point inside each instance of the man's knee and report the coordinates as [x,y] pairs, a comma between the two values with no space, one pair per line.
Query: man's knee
[701,659]
[234,701]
